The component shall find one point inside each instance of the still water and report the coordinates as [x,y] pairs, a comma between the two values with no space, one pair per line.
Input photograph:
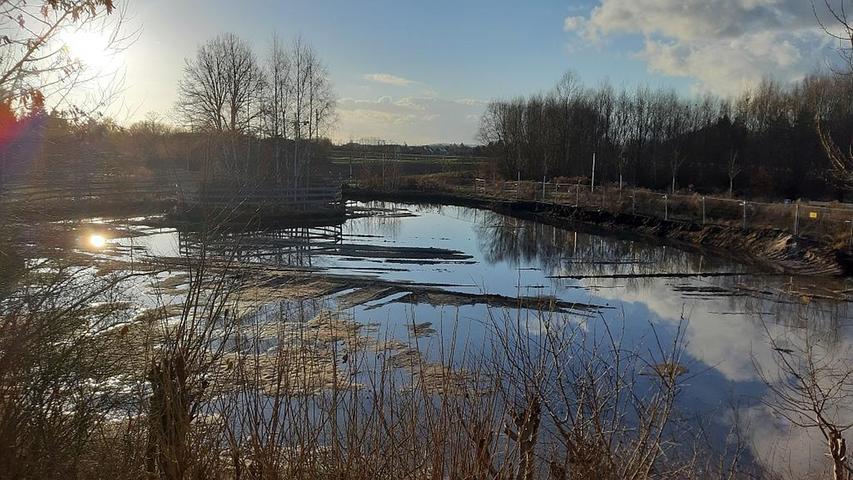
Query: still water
[453,267]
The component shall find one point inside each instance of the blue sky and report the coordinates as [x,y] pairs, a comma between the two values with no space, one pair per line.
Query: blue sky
[420,72]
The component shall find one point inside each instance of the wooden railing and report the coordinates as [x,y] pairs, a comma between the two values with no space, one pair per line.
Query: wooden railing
[322,194]
[94,187]
[300,198]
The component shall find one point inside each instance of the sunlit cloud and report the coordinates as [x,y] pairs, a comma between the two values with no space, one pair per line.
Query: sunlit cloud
[422,119]
[725,46]
[389,79]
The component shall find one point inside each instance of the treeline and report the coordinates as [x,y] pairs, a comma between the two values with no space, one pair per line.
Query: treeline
[56,147]
[240,116]
[762,143]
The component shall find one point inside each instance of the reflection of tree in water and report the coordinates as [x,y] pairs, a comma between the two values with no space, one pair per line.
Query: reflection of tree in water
[566,253]
[378,218]
[291,247]
[825,319]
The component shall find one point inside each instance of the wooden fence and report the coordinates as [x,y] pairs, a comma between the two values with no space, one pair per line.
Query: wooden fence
[313,197]
[107,188]
[178,187]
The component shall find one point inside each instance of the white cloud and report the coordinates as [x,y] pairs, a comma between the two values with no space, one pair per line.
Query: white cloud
[725,45]
[573,23]
[727,66]
[416,120]
[388,79]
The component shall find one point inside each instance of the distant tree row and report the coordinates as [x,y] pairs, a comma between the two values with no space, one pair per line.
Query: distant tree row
[763,143]
[244,122]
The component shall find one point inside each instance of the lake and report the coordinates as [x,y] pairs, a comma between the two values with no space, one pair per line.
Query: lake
[445,277]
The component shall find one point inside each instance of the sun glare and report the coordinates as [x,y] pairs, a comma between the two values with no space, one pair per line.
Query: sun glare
[97,241]
[91,49]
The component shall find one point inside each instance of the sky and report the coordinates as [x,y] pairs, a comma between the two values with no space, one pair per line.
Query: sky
[421,72]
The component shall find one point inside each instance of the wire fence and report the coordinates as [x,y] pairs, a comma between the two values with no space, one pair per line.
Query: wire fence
[829,222]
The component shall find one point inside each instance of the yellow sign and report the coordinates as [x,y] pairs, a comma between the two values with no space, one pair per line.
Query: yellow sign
[813,215]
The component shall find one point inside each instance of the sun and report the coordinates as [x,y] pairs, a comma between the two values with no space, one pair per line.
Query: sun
[97,241]
[90,49]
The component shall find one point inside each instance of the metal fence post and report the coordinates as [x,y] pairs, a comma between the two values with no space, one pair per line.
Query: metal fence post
[665,207]
[797,218]
[744,214]
[703,210]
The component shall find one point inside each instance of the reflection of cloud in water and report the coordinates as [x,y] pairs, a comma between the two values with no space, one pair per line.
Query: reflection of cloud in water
[725,342]
[730,342]
[734,344]
[785,450]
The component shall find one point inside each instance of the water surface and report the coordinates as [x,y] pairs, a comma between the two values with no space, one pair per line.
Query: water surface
[645,290]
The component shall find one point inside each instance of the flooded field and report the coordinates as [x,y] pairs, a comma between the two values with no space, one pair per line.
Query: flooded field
[437,283]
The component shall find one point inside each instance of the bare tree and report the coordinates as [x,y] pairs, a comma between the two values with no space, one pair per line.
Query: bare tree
[312,102]
[734,169]
[245,83]
[836,24]
[220,86]
[810,388]
[203,90]
[838,27]
[677,122]
[221,93]
[278,96]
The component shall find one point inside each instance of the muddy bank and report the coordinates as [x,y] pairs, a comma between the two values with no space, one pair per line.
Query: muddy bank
[774,250]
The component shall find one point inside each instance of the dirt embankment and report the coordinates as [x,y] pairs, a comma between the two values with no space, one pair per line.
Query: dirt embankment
[773,249]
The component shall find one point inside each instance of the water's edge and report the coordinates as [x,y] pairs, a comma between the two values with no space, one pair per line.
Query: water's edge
[772,250]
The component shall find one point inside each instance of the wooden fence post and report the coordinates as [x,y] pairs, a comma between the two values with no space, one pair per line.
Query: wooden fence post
[578,194]
[849,238]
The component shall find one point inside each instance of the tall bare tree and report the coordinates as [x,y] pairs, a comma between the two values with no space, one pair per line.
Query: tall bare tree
[277,99]
[221,93]
[221,86]
[313,99]
[312,102]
